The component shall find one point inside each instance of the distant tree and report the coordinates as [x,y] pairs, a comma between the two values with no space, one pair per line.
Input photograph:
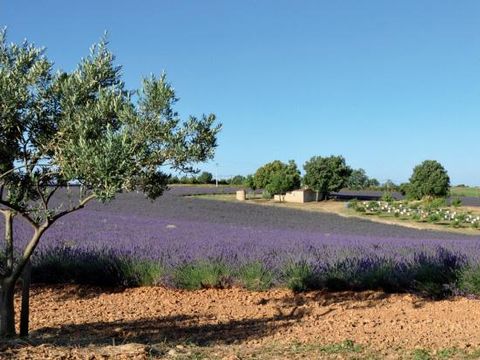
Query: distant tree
[389,186]
[82,127]
[249,182]
[205,178]
[326,174]
[404,188]
[281,182]
[268,173]
[264,173]
[236,180]
[173,180]
[358,180]
[373,183]
[429,179]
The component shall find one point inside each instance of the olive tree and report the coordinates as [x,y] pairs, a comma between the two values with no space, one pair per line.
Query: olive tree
[81,127]
[326,174]
[428,179]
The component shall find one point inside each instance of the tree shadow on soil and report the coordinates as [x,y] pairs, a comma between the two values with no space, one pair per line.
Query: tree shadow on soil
[346,299]
[73,291]
[363,299]
[202,330]
[198,330]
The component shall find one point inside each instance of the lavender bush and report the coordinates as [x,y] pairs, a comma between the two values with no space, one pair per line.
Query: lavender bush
[116,245]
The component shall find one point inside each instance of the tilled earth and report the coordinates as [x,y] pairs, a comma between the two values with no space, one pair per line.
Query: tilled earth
[80,322]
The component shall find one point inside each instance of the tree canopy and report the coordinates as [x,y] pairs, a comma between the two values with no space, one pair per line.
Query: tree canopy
[277,177]
[326,174]
[428,179]
[205,178]
[82,127]
[359,180]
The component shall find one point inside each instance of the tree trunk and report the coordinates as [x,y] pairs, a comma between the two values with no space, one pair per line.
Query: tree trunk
[25,310]
[9,240]
[316,196]
[7,284]
[7,310]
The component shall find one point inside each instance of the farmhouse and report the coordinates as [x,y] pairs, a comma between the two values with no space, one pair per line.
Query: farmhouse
[297,196]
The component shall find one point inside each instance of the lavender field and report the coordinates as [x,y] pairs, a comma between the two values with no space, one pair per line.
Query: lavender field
[285,246]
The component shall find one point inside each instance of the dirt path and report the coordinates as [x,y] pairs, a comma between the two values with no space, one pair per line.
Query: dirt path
[84,322]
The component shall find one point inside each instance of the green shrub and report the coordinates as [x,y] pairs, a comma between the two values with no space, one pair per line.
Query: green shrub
[413,205]
[141,272]
[300,276]
[456,202]
[456,223]
[202,274]
[469,279]
[255,276]
[93,267]
[266,194]
[435,276]
[431,203]
[373,206]
[421,354]
[387,197]
[433,218]
[347,346]
[338,277]
[381,277]
[353,204]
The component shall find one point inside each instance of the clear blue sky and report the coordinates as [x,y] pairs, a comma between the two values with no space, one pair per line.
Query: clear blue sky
[386,84]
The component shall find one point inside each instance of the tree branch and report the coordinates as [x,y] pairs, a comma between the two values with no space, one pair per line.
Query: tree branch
[42,196]
[8,172]
[20,211]
[51,193]
[39,230]
[28,251]
[81,205]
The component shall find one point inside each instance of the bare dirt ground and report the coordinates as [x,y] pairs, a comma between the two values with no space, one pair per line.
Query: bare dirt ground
[75,322]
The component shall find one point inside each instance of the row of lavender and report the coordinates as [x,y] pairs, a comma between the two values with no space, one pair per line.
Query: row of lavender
[117,249]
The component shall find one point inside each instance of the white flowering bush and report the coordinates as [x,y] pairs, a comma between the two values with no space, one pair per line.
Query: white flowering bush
[433,212]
